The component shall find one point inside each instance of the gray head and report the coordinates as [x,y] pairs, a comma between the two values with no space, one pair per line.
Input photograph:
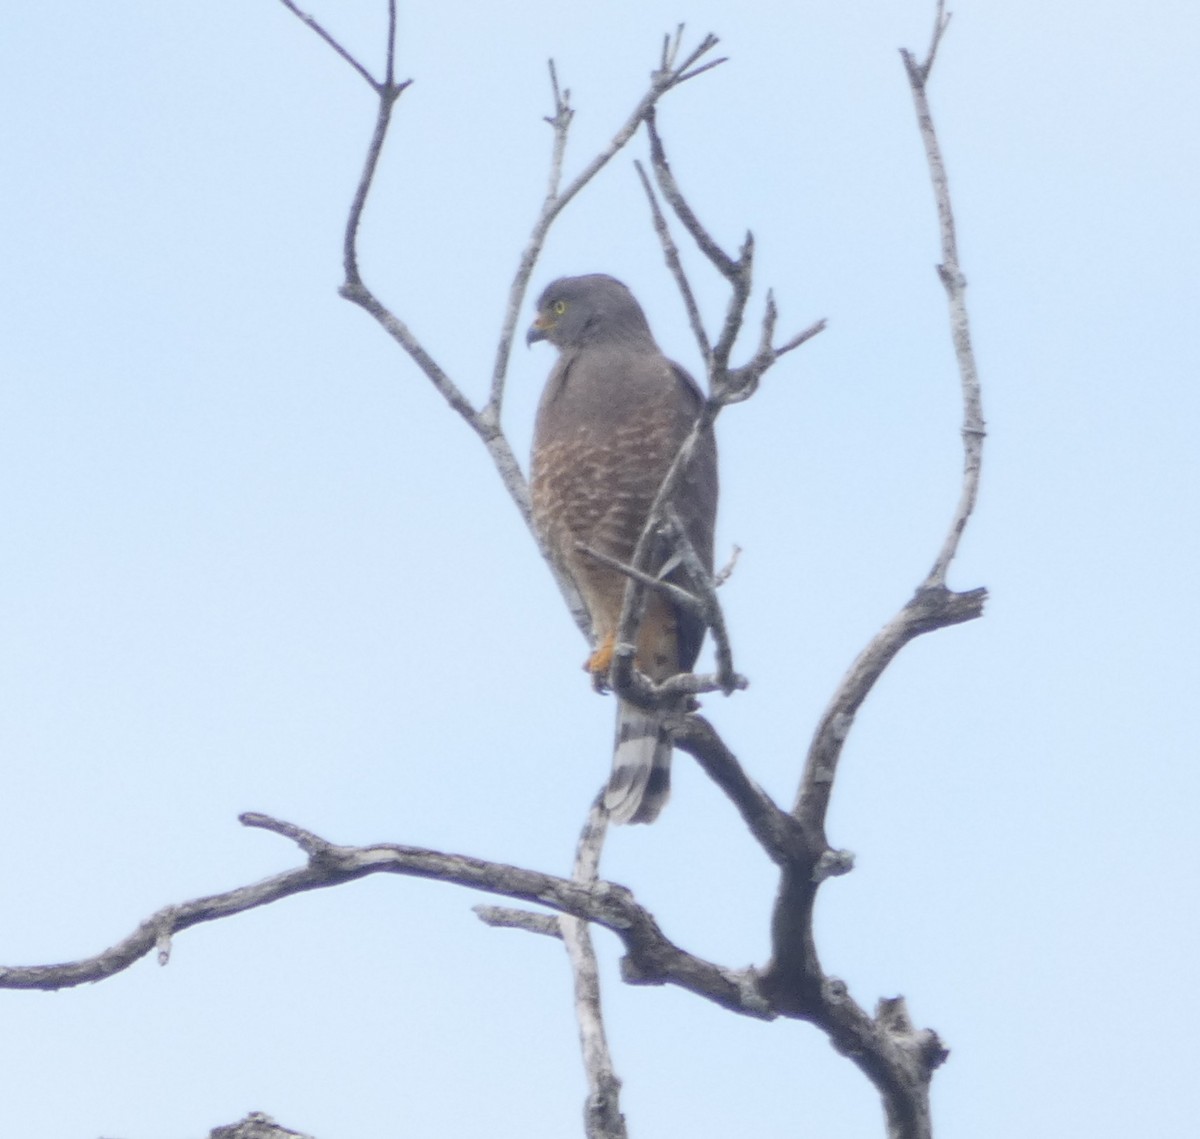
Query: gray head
[596,309]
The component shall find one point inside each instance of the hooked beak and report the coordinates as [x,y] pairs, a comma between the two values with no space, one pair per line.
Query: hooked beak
[537,330]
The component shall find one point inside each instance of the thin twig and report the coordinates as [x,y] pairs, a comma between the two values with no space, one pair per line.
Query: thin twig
[940,24]
[305,18]
[661,82]
[706,592]
[951,275]
[621,675]
[508,917]
[800,338]
[667,588]
[666,694]
[671,253]
[726,571]
[389,75]
[729,385]
[739,271]
[742,382]
[725,265]
[703,604]
[670,74]
[560,123]
[355,290]
[602,1111]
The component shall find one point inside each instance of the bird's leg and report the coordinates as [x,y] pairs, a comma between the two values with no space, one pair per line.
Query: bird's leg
[599,663]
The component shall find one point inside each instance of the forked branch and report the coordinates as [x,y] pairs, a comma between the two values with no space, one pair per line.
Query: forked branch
[651,957]
[675,68]
[898,1058]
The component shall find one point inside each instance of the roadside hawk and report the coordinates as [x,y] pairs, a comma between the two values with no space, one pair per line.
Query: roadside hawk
[612,418]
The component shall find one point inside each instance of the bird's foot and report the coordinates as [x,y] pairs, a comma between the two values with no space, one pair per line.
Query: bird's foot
[599,663]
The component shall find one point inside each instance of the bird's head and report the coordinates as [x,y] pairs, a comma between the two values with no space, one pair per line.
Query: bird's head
[574,311]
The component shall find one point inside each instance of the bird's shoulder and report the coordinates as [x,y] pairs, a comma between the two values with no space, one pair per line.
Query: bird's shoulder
[620,372]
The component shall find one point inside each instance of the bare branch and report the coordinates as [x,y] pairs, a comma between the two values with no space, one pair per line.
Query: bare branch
[671,252]
[928,610]
[710,606]
[738,272]
[704,604]
[602,1111]
[671,75]
[741,383]
[726,571]
[940,23]
[933,606]
[358,293]
[898,1059]
[484,423]
[726,384]
[561,122]
[775,830]
[353,289]
[256,1125]
[663,80]
[667,693]
[651,958]
[951,275]
[507,917]
[389,75]
[686,75]
[724,264]
[800,338]
[620,676]
[670,48]
[305,18]
[669,589]
[602,1114]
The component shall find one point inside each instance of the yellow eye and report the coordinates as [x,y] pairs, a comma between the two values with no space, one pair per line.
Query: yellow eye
[560,307]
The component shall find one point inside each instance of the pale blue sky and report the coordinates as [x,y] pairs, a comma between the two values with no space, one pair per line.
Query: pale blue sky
[251,563]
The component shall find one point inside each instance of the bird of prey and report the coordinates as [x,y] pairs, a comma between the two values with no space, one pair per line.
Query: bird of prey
[612,418]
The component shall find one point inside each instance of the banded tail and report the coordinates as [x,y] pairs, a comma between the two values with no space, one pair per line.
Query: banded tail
[641,775]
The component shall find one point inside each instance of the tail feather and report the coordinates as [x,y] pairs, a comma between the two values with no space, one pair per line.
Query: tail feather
[641,774]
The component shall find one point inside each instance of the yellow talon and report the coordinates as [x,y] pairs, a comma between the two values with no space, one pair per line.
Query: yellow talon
[599,663]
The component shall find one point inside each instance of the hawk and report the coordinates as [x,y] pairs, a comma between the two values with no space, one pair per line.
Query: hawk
[611,420]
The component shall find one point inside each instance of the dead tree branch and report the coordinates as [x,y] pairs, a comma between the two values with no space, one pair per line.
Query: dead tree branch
[705,585]
[897,1057]
[951,275]
[726,386]
[312,23]
[676,593]
[672,72]
[671,253]
[651,958]
[256,1125]
[602,1110]
[669,75]
[774,829]
[676,67]
[509,917]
